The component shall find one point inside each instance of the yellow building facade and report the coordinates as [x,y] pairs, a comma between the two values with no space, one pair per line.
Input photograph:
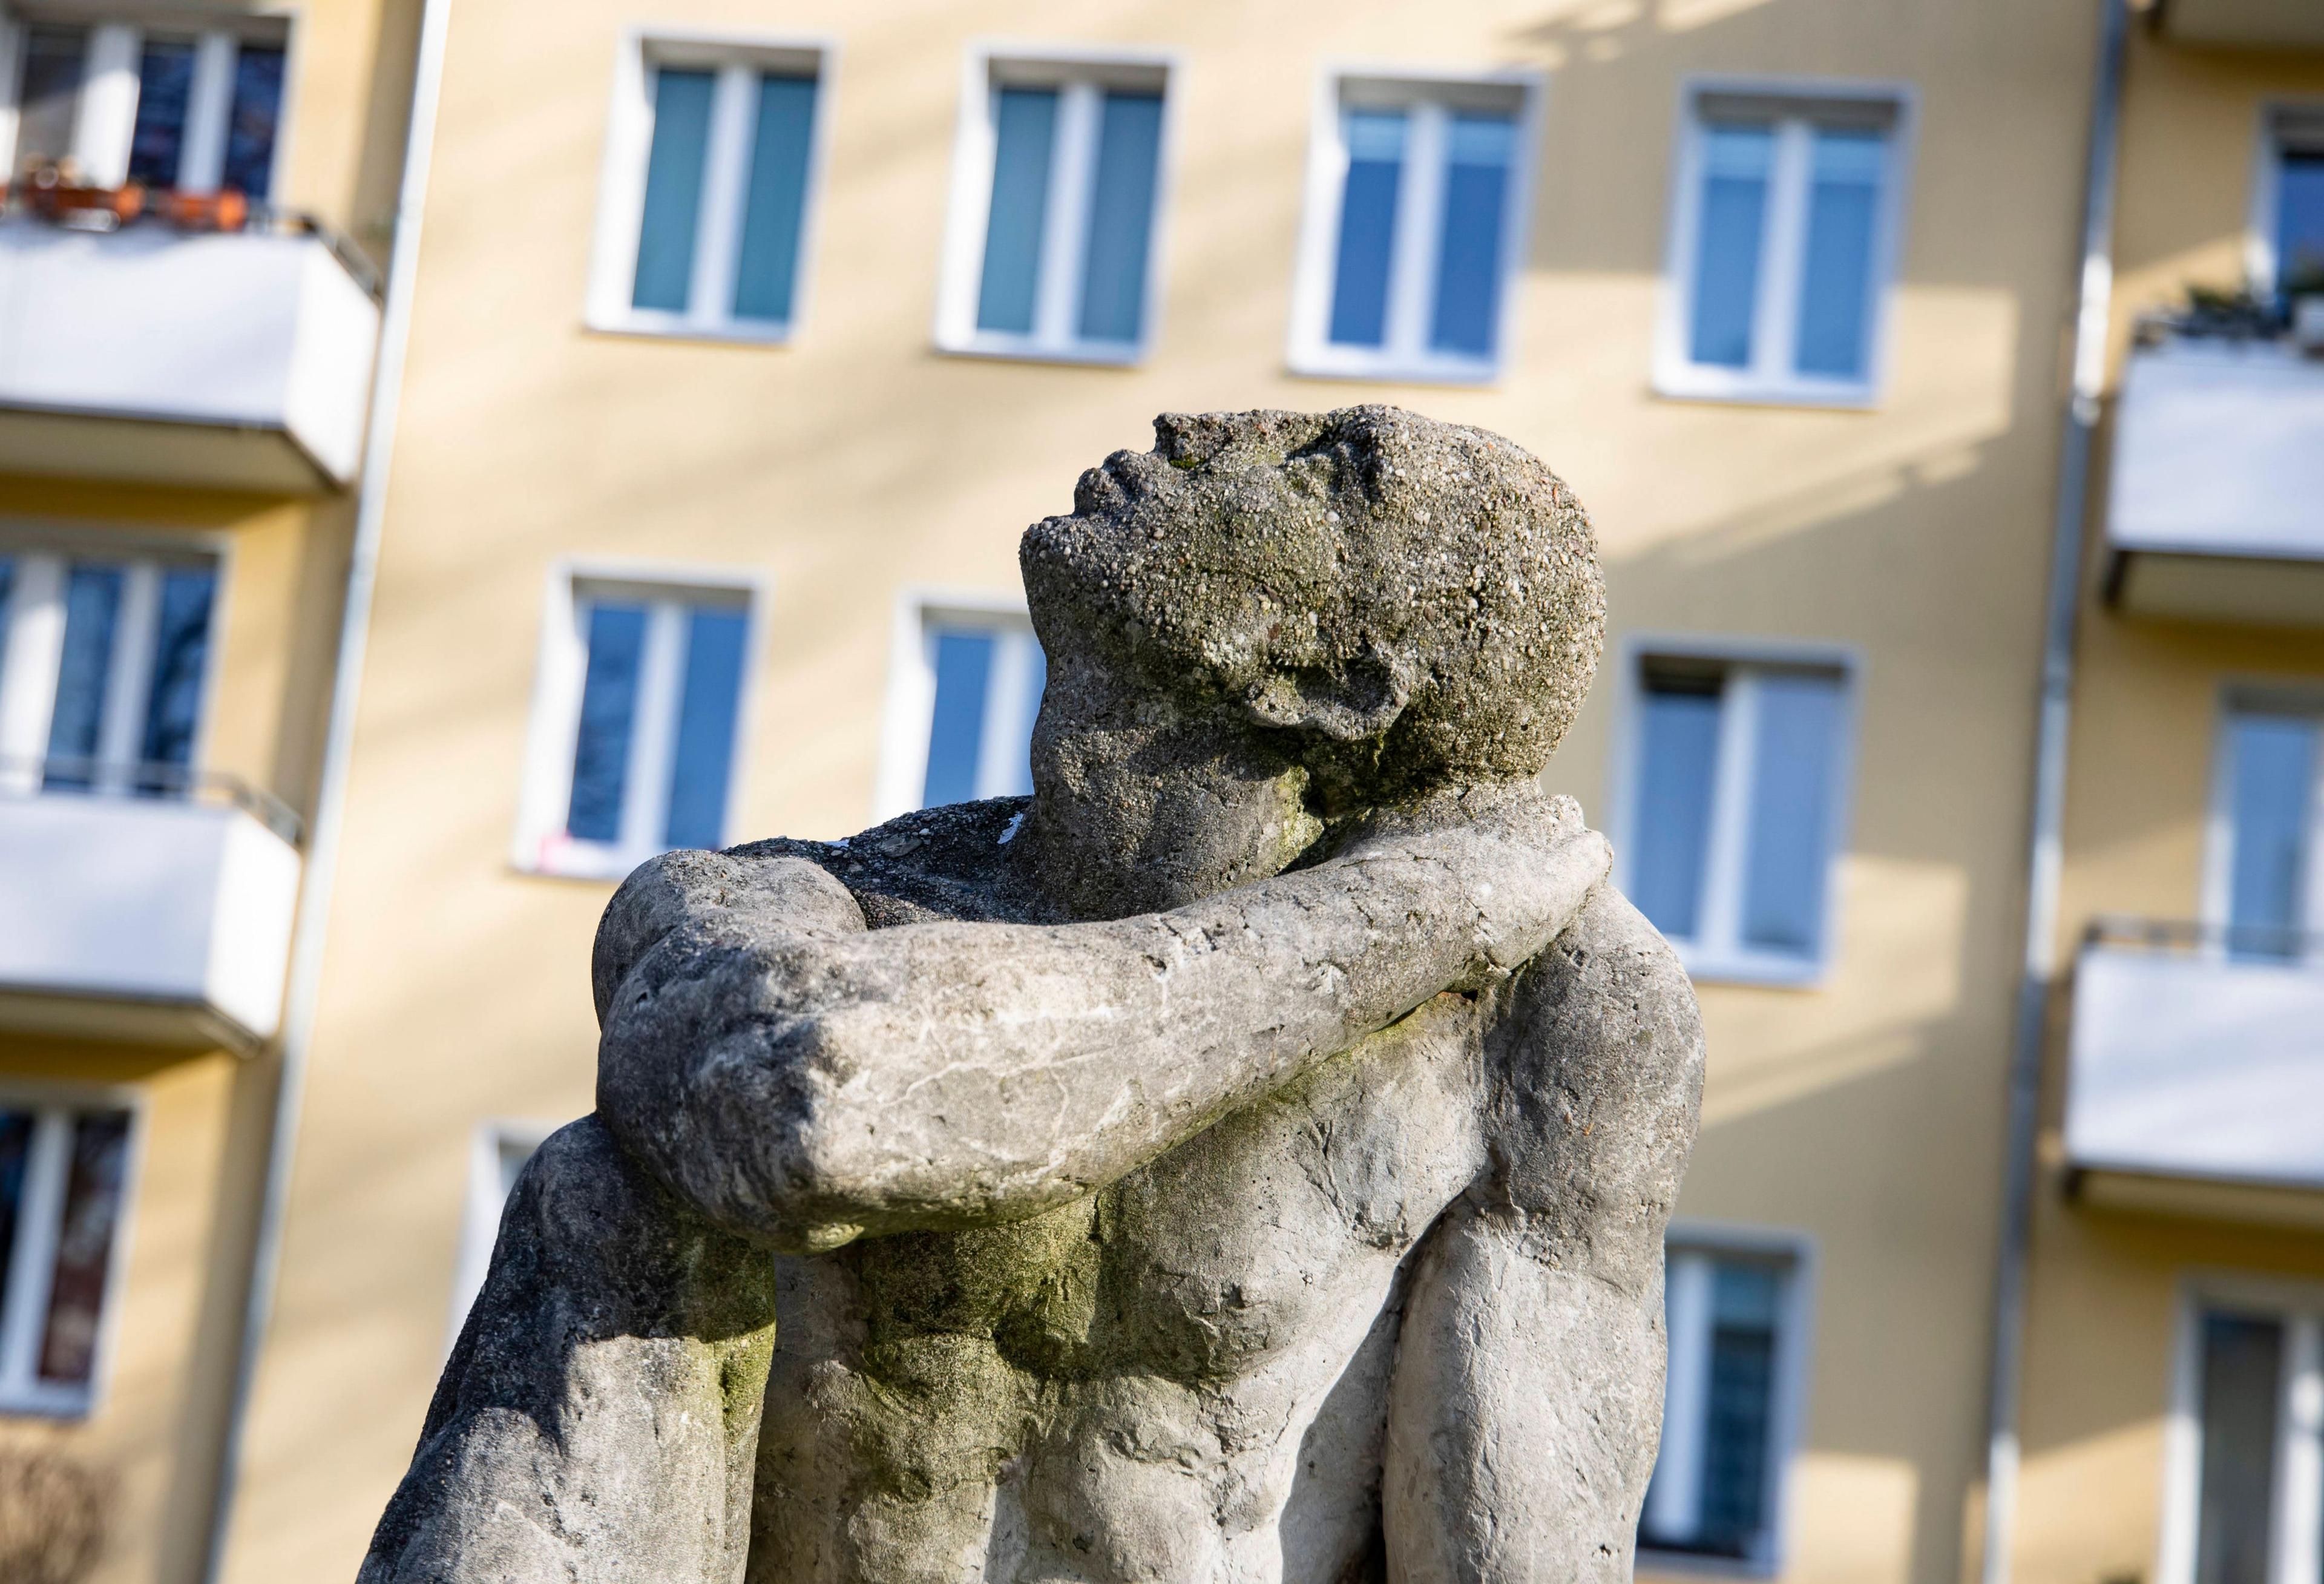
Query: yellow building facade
[728,347]
[198,209]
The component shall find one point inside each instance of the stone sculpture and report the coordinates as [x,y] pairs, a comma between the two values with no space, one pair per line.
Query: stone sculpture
[1247,1158]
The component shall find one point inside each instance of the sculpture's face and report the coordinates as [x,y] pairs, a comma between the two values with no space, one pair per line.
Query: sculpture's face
[1144,801]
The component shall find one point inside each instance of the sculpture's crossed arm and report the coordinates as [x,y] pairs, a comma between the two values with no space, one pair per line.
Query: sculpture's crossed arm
[803,1081]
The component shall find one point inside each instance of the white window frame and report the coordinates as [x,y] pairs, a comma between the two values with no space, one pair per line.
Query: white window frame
[2297,1503]
[489,1183]
[32,649]
[107,117]
[739,59]
[1718,954]
[1771,379]
[1405,355]
[1081,76]
[2281,121]
[1787,1386]
[33,1262]
[559,673]
[909,712]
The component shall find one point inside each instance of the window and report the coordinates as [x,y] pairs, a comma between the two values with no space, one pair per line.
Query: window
[634,724]
[1735,1309]
[711,157]
[2263,881]
[2290,220]
[966,687]
[1737,772]
[63,1172]
[1782,245]
[1416,201]
[1056,198]
[196,109]
[499,1153]
[2244,1503]
[103,670]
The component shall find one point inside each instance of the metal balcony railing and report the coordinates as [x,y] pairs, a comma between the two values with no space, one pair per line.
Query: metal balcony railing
[70,775]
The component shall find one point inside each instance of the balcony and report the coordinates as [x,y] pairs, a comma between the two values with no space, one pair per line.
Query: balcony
[2196,1074]
[2249,25]
[152,919]
[222,359]
[2216,510]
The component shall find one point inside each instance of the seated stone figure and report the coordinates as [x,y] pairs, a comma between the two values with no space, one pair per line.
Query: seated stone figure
[1246,1159]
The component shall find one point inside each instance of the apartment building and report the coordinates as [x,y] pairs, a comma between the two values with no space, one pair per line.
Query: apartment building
[748,336]
[195,213]
[2172,1389]
[735,343]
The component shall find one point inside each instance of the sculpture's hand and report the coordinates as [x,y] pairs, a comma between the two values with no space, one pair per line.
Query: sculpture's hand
[803,1081]
[1522,859]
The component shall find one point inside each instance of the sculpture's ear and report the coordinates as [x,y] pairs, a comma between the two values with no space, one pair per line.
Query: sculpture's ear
[1354,702]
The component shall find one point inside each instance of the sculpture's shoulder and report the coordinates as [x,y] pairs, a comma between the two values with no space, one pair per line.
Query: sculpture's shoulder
[1595,1064]
[952,863]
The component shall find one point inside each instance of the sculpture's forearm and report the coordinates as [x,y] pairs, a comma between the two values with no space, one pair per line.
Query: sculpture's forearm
[947,1075]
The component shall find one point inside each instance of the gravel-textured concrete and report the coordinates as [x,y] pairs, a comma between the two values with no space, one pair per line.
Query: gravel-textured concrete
[1246,1159]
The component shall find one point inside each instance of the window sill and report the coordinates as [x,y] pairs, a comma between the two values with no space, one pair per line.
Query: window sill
[1701,1565]
[1073,354]
[590,864]
[645,326]
[62,1403]
[1766,971]
[1691,383]
[1343,363]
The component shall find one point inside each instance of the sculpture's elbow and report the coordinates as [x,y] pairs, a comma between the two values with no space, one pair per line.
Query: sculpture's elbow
[754,1125]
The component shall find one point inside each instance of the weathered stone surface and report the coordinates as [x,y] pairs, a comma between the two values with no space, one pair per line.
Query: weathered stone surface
[1246,1159]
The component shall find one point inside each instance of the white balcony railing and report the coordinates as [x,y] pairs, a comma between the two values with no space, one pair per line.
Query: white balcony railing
[150,918]
[224,359]
[2198,1057]
[2217,506]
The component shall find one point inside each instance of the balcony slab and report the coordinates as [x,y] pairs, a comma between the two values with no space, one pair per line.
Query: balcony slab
[2194,1067]
[2216,511]
[233,360]
[143,920]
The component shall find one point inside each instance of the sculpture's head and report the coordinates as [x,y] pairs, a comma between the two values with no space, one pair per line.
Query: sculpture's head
[1274,620]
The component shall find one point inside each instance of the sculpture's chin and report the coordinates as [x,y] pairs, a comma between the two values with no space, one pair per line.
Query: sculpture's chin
[1186,842]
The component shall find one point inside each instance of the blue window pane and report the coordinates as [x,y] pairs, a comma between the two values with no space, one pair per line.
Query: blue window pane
[1836,281]
[1790,811]
[251,118]
[2299,221]
[165,76]
[48,93]
[702,763]
[1482,149]
[2236,1516]
[1736,159]
[2272,770]
[1017,764]
[1680,756]
[964,663]
[609,707]
[92,611]
[1121,217]
[775,202]
[173,699]
[1024,128]
[1359,271]
[16,1156]
[1742,1401]
[681,142]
